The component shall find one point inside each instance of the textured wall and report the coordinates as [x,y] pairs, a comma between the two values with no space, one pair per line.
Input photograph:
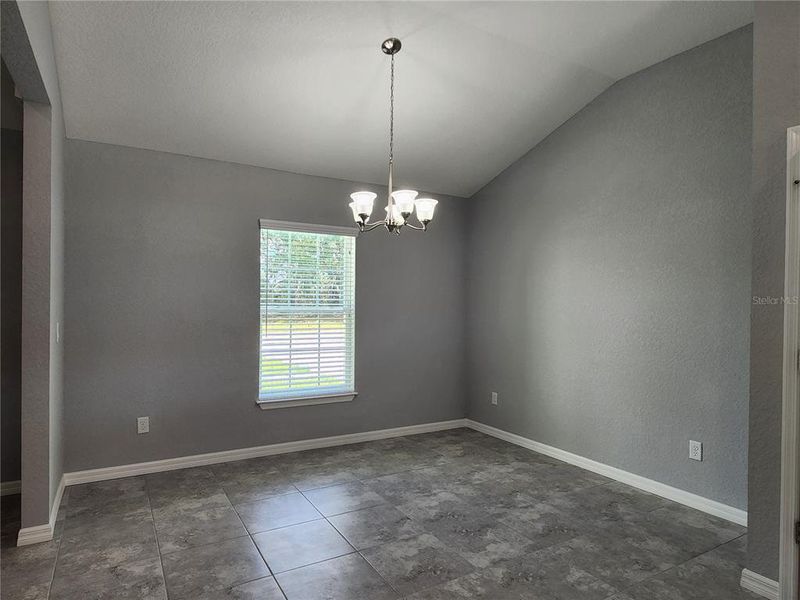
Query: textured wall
[162,304]
[35,347]
[27,48]
[776,107]
[609,274]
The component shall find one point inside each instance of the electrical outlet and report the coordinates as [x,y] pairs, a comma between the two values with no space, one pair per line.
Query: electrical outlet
[143,425]
[494,398]
[695,450]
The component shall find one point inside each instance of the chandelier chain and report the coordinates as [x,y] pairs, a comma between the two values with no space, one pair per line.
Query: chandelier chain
[391,113]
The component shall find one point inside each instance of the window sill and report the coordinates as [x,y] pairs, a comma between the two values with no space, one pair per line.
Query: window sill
[305,401]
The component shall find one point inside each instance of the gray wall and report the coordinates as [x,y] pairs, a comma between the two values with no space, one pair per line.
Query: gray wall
[27,48]
[36,17]
[11,285]
[162,305]
[609,274]
[776,107]
[35,347]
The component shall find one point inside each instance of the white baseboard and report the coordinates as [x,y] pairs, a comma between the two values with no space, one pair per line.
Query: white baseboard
[211,458]
[10,487]
[758,584]
[712,507]
[35,535]
[43,533]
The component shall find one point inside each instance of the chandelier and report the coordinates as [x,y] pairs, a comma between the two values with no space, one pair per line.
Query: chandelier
[401,203]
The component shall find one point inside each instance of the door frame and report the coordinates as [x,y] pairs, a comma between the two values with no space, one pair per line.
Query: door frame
[790,433]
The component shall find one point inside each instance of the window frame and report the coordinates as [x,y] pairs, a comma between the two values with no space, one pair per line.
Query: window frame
[311,399]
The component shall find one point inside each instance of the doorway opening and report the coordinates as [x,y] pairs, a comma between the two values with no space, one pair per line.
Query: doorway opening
[10,308]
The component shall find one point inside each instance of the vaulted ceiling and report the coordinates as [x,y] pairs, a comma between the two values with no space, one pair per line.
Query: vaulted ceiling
[303,86]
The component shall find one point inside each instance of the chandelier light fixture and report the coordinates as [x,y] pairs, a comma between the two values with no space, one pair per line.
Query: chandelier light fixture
[401,203]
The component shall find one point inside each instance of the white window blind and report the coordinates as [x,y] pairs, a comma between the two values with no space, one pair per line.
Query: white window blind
[307,311]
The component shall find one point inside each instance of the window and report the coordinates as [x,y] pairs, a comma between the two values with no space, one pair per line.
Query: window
[307,314]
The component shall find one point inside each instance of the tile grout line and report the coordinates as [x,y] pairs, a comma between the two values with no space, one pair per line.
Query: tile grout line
[316,562]
[58,549]
[386,581]
[356,550]
[323,517]
[266,563]
[155,531]
[253,541]
[161,556]
[680,564]
[361,551]
[248,535]
[303,492]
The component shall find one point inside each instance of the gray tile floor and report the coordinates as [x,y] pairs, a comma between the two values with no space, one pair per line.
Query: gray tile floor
[440,516]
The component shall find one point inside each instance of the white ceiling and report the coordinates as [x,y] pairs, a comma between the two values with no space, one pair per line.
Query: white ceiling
[302,86]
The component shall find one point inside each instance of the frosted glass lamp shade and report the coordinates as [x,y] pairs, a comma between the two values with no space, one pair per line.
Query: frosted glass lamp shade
[404,199]
[357,217]
[425,209]
[362,204]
